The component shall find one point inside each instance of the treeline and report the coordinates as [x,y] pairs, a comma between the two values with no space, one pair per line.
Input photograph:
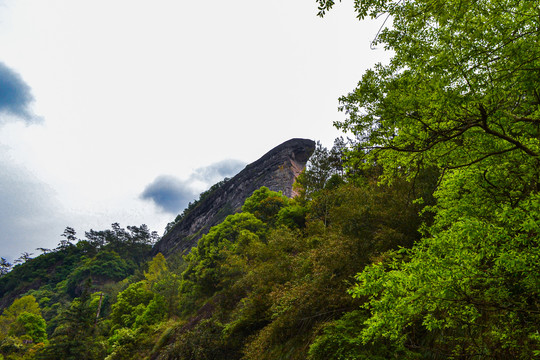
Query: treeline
[39,293]
[269,282]
[314,277]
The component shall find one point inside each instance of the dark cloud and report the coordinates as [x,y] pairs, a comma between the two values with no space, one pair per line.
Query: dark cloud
[172,195]
[217,171]
[15,96]
[169,193]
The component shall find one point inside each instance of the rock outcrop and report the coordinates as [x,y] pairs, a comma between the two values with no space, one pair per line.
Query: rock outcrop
[276,170]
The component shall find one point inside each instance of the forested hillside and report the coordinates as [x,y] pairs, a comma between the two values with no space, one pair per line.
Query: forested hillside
[417,238]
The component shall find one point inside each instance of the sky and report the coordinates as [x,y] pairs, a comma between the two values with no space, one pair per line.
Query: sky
[125,110]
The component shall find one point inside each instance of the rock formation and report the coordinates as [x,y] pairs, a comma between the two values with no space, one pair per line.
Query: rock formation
[276,170]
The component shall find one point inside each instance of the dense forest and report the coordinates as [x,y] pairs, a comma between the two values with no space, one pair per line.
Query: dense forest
[417,237]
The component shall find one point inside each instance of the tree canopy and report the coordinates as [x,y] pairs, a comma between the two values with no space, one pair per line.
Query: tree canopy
[461,94]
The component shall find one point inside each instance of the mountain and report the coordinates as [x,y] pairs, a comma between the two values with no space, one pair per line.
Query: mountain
[277,170]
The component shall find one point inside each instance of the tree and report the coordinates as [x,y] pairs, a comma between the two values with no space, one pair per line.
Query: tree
[203,276]
[265,204]
[25,304]
[5,266]
[69,238]
[461,87]
[163,283]
[157,268]
[130,304]
[461,94]
[32,325]
[324,170]
[44,250]
[25,256]
[75,337]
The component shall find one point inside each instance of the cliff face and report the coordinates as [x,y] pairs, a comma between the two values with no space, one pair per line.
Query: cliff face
[276,170]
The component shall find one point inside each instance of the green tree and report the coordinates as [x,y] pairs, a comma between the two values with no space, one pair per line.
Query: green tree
[461,93]
[76,335]
[130,303]
[26,304]
[32,325]
[265,204]
[5,266]
[165,285]
[460,88]
[157,267]
[323,170]
[69,236]
[106,265]
[203,275]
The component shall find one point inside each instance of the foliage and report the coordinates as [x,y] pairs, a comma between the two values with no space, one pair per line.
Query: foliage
[32,325]
[130,304]
[340,340]
[53,278]
[460,88]
[473,285]
[106,265]
[21,328]
[26,304]
[265,204]
[165,285]
[202,277]
[419,238]
[323,170]
[243,292]
[461,94]
[75,337]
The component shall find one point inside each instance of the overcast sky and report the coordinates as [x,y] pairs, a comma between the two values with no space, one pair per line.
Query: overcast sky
[125,110]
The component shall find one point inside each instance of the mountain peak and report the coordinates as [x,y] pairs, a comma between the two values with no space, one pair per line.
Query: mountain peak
[277,170]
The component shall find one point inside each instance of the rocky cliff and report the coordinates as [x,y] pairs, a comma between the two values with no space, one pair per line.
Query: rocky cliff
[276,170]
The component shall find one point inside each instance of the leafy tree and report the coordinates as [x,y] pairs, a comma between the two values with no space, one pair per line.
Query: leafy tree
[44,250]
[461,94]
[157,267]
[265,204]
[324,170]
[22,328]
[340,340]
[165,285]
[292,216]
[25,304]
[134,243]
[25,256]
[460,88]
[32,325]
[473,284]
[203,277]
[130,304]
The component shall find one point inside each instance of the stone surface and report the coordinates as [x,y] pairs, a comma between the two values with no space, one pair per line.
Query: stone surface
[276,170]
